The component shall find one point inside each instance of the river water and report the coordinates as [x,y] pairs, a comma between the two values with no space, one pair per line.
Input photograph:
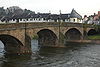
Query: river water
[74,55]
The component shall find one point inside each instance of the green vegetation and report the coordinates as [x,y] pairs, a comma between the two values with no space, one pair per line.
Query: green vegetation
[94,37]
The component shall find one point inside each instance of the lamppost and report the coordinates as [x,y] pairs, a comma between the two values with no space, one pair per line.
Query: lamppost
[26,23]
[25,31]
[59,20]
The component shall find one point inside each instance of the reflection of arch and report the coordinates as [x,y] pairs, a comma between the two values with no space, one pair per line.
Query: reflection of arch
[11,44]
[73,34]
[92,32]
[47,37]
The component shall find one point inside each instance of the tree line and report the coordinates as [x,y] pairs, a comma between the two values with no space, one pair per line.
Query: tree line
[13,12]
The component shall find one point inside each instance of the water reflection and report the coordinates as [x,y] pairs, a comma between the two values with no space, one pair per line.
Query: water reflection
[74,55]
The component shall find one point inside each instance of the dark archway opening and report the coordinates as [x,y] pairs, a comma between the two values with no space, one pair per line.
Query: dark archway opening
[92,32]
[73,34]
[11,44]
[47,38]
[93,35]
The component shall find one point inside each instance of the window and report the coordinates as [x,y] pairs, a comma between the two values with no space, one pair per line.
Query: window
[13,19]
[63,20]
[20,19]
[74,20]
[23,19]
[31,19]
[39,19]
[43,18]
[27,19]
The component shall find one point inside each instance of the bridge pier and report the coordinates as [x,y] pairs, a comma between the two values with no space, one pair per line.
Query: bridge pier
[61,40]
[26,48]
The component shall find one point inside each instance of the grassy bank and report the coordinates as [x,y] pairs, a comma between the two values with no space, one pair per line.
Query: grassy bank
[94,37]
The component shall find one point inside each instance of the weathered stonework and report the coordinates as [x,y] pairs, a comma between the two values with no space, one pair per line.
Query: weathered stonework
[24,32]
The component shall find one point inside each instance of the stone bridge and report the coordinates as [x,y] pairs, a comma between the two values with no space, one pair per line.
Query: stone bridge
[17,37]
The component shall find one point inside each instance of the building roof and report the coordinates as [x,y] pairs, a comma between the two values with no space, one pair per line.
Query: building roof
[74,14]
[54,16]
[45,16]
[64,16]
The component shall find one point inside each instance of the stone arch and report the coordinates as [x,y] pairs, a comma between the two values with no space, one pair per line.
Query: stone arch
[91,32]
[52,29]
[79,29]
[73,34]
[87,30]
[11,43]
[47,37]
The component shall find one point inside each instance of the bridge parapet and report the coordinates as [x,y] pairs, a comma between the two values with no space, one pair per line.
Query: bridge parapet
[12,26]
[69,24]
[88,26]
[55,24]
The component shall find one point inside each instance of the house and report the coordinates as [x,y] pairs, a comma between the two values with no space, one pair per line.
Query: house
[65,17]
[75,17]
[29,16]
[92,19]
[85,19]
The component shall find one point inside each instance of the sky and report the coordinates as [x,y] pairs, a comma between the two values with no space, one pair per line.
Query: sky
[83,7]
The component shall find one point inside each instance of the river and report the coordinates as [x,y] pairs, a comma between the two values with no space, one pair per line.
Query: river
[74,55]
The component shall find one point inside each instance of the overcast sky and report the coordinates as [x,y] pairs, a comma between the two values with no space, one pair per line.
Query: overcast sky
[81,6]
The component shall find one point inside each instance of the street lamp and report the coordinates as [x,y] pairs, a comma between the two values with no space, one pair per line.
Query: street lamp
[59,19]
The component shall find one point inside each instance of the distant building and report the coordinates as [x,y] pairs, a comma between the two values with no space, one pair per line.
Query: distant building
[92,19]
[43,17]
[85,19]
[75,17]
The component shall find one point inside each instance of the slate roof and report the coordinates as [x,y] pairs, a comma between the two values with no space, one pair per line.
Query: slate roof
[46,16]
[64,16]
[54,16]
[74,14]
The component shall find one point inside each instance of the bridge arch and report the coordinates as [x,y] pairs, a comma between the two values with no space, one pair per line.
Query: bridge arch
[47,37]
[11,43]
[73,34]
[91,32]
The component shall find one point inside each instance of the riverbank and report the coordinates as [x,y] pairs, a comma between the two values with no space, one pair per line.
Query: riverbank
[85,41]
[94,37]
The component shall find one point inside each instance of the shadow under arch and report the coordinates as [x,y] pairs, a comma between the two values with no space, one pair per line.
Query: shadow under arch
[92,32]
[47,37]
[11,44]
[73,34]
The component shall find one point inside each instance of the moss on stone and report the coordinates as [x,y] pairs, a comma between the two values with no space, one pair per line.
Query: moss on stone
[35,37]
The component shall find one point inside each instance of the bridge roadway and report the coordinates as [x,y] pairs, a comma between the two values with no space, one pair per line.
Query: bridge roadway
[17,37]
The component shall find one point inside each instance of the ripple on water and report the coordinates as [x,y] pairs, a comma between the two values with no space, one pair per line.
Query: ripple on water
[84,55]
